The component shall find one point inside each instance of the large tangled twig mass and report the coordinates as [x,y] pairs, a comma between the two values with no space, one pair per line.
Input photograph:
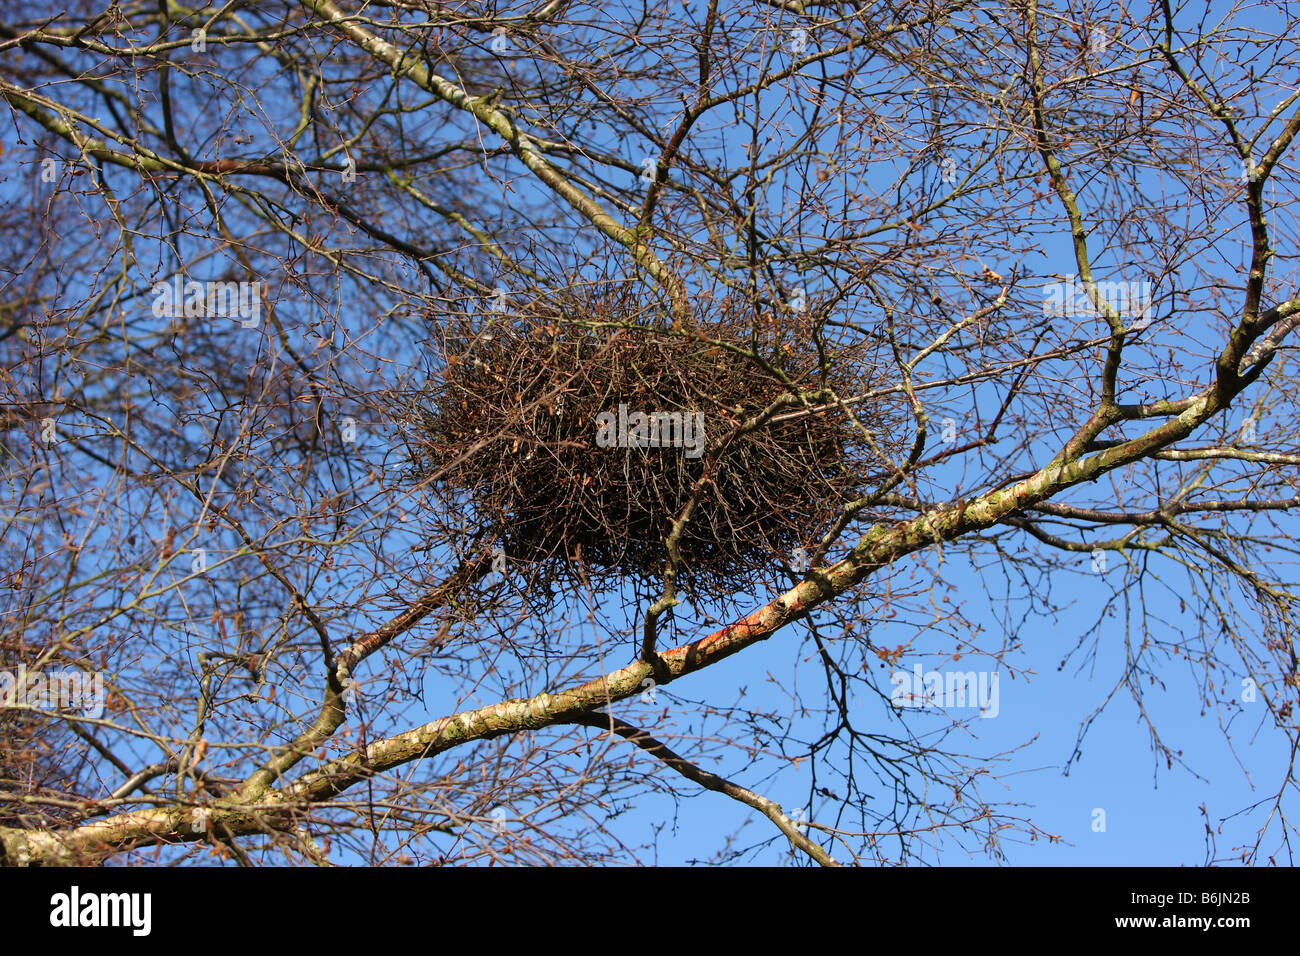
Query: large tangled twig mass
[577,437]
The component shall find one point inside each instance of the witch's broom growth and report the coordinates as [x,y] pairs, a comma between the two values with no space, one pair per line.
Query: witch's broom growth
[576,440]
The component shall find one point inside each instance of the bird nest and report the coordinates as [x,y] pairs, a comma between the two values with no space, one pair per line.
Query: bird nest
[579,443]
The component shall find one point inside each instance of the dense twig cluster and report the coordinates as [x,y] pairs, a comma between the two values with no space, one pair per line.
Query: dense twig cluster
[37,754]
[530,422]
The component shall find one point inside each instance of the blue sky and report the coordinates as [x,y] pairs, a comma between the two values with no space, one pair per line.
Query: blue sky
[1151,812]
